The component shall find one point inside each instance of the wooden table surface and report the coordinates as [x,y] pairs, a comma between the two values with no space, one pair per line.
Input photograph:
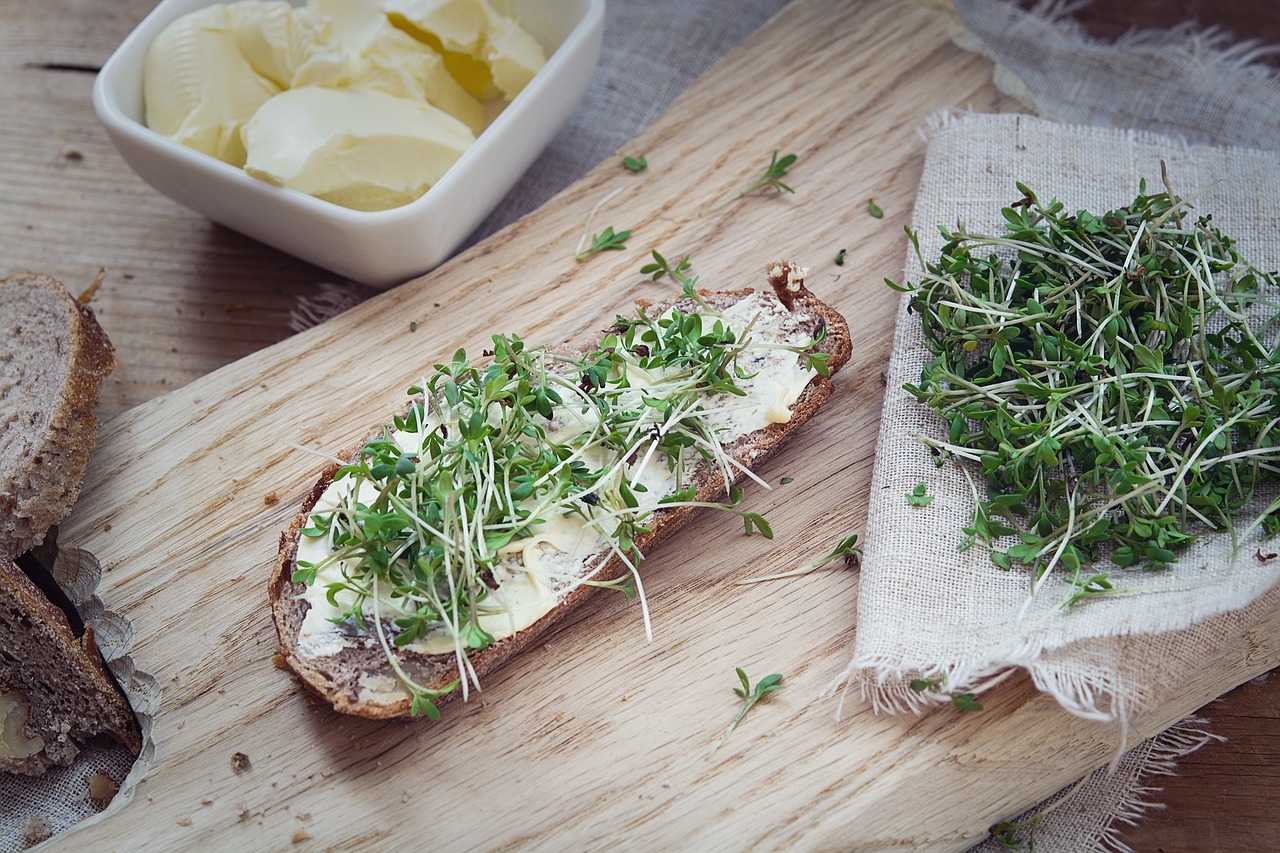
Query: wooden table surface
[182,297]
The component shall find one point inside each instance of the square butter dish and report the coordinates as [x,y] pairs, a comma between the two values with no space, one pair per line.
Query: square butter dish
[379,248]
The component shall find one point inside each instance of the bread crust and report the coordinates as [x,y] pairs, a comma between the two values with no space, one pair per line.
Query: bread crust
[39,489]
[335,679]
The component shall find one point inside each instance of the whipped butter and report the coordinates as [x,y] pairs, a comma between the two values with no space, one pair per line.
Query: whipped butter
[562,550]
[410,84]
[366,150]
[489,54]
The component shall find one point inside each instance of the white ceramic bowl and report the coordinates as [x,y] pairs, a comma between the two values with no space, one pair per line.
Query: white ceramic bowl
[381,248]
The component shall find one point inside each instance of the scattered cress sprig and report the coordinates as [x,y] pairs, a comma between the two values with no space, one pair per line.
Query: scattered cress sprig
[604,241]
[589,244]
[749,696]
[846,549]
[770,179]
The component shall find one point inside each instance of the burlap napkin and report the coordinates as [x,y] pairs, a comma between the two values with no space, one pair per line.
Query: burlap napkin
[928,609]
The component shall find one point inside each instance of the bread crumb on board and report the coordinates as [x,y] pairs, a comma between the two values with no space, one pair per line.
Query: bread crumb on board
[36,828]
[240,762]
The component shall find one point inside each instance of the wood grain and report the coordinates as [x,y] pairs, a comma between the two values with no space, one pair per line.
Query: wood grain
[601,739]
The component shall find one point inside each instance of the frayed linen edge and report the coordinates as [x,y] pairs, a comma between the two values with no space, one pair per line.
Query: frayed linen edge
[329,300]
[886,685]
[1137,798]
[1111,800]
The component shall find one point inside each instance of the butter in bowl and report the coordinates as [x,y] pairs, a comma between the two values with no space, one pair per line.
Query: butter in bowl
[369,137]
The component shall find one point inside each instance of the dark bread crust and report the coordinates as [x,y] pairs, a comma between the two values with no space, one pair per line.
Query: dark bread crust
[72,696]
[40,488]
[335,679]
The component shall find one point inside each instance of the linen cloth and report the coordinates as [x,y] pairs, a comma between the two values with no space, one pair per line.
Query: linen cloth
[1202,85]
[926,609]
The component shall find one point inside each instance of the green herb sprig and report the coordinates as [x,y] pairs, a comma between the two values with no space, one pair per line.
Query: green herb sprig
[635,164]
[750,696]
[919,495]
[606,240]
[660,267]
[846,549]
[770,179]
[1112,382]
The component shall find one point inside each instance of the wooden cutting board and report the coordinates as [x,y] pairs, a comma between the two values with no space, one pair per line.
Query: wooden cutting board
[598,738]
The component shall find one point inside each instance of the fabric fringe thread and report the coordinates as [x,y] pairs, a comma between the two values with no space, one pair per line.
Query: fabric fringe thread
[1167,749]
[887,689]
[329,300]
[1136,797]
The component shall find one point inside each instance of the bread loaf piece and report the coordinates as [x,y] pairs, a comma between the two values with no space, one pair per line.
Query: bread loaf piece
[53,357]
[356,668]
[55,691]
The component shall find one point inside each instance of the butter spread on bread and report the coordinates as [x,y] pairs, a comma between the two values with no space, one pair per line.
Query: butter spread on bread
[561,484]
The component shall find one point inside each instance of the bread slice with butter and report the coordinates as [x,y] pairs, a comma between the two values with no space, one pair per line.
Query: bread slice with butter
[632,465]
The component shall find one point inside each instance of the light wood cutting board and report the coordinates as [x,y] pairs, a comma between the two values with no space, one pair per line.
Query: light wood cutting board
[597,739]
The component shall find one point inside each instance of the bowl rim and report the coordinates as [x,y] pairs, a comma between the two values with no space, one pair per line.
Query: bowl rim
[112,114]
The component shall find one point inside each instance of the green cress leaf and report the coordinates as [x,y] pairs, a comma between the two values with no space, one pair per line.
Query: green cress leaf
[750,696]
[771,179]
[919,495]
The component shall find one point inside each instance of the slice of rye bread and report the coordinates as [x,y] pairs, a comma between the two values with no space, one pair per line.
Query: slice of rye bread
[70,695]
[337,678]
[53,357]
